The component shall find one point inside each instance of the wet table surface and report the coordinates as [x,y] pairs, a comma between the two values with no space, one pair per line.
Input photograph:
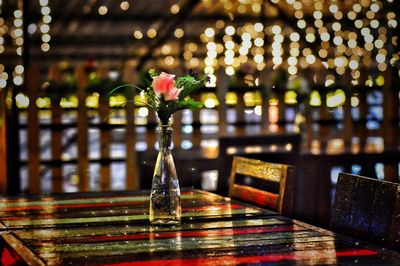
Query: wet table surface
[113,229]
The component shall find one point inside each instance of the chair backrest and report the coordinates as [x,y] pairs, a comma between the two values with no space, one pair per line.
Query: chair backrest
[277,193]
[367,209]
[275,148]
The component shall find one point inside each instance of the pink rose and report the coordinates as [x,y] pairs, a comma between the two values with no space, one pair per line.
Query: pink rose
[172,94]
[163,83]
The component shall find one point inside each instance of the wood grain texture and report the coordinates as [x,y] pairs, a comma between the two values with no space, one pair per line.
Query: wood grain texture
[3,144]
[367,209]
[343,204]
[56,140]
[276,173]
[105,134]
[394,234]
[132,181]
[33,131]
[83,160]
[100,229]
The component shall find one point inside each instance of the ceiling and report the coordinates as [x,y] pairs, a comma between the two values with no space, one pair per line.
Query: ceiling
[147,31]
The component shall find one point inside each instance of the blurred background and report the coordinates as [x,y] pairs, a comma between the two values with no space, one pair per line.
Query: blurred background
[322,76]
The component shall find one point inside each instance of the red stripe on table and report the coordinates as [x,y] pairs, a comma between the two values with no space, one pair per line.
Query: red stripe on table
[205,233]
[108,204]
[71,206]
[230,260]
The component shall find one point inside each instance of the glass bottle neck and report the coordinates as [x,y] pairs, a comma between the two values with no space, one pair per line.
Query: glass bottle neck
[164,137]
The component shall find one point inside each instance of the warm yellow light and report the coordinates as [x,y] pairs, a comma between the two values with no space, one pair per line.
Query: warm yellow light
[209,32]
[18,13]
[230,45]
[354,101]
[258,42]
[231,98]
[179,33]
[209,70]
[315,98]
[229,53]
[103,10]
[228,60]
[353,64]
[143,111]
[380,80]
[380,58]
[92,101]
[292,61]
[276,29]
[249,99]
[151,33]
[43,102]
[230,30]
[258,27]
[294,37]
[71,102]
[292,70]
[310,37]
[210,100]
[119,100]
[21,100]
[277,60]
[169,60]
[138,34]
[258,58]
[301,23]
[175,9]
[325,36]
[310,59]
[290,97]
[335,99]
[124,5]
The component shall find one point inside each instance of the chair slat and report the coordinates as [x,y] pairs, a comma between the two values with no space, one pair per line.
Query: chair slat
[364,193]
[267,171]
[271,172]
[255,195]
[394,233]
[343,203]
[384,199]
[368,209]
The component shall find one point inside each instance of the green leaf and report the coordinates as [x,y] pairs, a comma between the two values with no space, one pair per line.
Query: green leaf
[152,73]
[123,86]
[190,85]
[188,104]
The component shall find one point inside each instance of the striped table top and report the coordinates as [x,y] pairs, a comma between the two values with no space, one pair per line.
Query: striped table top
[113,229]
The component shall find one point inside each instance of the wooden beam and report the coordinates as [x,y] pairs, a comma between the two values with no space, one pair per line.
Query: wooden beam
[32,84]
[83,161]
[3,143]
[56,140]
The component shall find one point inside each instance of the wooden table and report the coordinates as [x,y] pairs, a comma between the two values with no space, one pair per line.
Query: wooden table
[113,229]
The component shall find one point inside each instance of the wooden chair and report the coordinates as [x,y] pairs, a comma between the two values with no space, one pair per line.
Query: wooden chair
[275,148]
[368,209]
[276,180]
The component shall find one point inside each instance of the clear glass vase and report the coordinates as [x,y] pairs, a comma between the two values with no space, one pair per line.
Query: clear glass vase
[165,204]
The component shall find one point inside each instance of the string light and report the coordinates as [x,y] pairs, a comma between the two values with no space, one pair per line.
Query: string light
[44,27]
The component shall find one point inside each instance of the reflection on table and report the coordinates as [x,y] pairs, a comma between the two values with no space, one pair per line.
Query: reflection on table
[113,229]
